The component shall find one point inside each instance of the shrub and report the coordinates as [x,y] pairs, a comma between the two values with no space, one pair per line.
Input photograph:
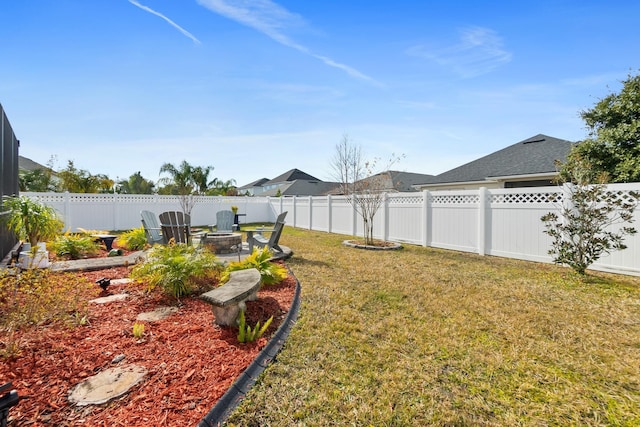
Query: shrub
[176,268]
[75,245]
[582,231]
[133,240]
[31,221]
[35,297]
[270,273]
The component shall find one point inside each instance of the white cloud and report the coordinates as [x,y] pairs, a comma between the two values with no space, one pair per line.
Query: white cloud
[479,51]
[272,20]
[173,24]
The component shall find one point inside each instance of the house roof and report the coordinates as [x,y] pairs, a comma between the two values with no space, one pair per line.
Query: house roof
[532,156]
[256,183]
[404,181]
[291,175]
[302,187]
[29,165]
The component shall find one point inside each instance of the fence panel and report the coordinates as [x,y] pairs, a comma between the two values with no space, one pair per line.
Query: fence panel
[341,216]
[515,228]
[320,213]
[453,220]
[627,260]
[404,216]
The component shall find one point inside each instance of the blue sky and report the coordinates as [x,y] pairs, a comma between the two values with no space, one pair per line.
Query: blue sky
[257,87]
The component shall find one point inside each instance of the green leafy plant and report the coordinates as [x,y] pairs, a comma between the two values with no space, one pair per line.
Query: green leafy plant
[248,334]
[582,232]
[30,220]
[176,268]
[138,330]
[75,245]
[270,273]
[133,240]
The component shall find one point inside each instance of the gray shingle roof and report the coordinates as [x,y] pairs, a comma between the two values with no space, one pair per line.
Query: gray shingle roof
[302,187]
[292,175]
[534,155]
[256,183]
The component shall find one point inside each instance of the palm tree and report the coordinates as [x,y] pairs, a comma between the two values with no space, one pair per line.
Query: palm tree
[186,181]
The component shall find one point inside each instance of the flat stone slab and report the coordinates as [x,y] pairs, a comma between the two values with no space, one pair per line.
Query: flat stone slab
[121,281]
[110,298]
[106,385]
[157,314]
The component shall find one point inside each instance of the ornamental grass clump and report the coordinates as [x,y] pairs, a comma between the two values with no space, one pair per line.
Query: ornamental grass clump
[270,272]
[248,334]
[177,268]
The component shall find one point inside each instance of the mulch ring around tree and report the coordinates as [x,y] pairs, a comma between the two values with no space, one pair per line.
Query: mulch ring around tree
[190,362]
[378,245]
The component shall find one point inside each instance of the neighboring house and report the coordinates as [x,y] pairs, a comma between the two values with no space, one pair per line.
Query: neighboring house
[291,183]
[529,163]
[397,181]
[253,188]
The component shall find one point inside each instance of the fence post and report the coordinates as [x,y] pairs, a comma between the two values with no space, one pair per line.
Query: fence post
[354,218]
[114,200]
[294,211]
[482,217]
[426,217]
[385,217]
[329,216]
[67,210]
[310,212]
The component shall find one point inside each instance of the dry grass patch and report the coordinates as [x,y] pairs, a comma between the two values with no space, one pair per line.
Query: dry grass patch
[430,337]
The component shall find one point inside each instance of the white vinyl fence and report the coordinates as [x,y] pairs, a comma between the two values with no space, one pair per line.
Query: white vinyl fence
[122,211]
[498,222]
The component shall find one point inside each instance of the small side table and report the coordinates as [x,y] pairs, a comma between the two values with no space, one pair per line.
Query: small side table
[107,239]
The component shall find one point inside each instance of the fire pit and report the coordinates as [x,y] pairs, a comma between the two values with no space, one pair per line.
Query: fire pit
[222,243]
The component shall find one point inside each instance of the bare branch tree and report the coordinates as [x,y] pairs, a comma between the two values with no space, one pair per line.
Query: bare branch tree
[363,188]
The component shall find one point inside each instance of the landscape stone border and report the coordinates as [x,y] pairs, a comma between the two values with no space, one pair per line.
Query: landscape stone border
[238,390]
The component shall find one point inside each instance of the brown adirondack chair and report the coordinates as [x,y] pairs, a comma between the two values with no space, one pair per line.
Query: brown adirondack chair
[175,225]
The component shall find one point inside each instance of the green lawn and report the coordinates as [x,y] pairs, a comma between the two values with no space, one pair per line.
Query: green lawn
[431,337]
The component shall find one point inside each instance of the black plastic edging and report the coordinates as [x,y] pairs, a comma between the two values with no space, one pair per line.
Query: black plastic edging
[234,395]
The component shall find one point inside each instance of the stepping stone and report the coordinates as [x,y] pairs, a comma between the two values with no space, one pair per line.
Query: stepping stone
[157,314]
[121,281]
[110,298]
[106,385]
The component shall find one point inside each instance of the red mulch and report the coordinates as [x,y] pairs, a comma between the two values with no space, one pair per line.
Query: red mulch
[191,361]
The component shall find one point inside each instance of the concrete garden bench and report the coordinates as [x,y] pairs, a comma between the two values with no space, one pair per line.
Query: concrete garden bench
[227,300]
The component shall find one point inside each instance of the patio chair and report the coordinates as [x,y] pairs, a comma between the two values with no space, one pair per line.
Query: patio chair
[224,221]
[175,225]
[271,243]
[151,227]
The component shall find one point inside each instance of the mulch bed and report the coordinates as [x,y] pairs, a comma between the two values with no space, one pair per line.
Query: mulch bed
[191,361]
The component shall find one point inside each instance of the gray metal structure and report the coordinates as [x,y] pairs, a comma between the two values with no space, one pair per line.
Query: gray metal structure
[9,184]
